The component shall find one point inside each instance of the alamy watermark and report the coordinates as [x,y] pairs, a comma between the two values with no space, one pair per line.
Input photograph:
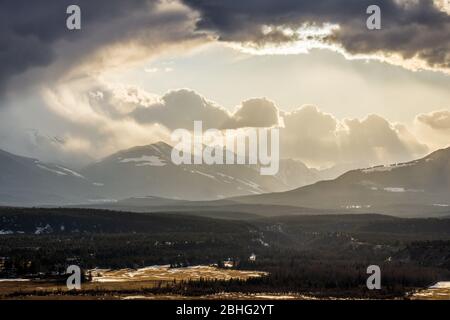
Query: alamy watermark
[252,146]
[74,280]
[374,280]
[373,22]
[73,21]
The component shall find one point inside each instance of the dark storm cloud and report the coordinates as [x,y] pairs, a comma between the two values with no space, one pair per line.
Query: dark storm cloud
[409,27]
[30,31]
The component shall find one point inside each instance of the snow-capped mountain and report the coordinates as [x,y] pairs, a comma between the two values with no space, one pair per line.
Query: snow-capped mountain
[138,172]
[26,181]
[148,170]
[423,182]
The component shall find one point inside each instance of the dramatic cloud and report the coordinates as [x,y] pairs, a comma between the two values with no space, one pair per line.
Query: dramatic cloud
[255,113]
[307,134]
[438,120]
[33,34]
[91,121]
[49,109]
[180,108]
[94,128]
[414,30]
[71,113]
[319,139]
[113,32]
[434,128]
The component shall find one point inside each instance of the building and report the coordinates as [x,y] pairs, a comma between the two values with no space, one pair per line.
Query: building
[228,263]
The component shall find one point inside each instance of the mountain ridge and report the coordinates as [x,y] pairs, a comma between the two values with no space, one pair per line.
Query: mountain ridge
[425,181]
[143,172]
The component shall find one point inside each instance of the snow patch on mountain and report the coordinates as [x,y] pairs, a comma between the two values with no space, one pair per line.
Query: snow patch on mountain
[74,173]
[388,168]
[392,189]
[204,174]
[152,161]
[41,166]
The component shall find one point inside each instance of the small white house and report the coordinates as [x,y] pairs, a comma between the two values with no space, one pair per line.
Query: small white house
[228,263]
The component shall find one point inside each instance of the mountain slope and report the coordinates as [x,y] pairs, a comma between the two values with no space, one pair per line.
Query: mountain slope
[27,181]
[138,172]
[423,182]
[295,174]
[148,170]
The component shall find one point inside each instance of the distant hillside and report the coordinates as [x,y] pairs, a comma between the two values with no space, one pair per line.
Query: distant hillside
[37,221]
[149,171]
[148,181]
[76,221]
[223,209]
[423,183]
[26,181]
[138,172]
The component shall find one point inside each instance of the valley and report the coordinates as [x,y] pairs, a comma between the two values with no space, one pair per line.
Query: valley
[181,255]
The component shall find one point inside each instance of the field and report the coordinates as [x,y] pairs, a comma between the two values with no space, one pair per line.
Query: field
[439,291]
[120,284]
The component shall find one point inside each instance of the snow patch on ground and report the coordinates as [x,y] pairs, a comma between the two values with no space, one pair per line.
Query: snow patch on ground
[164,272]
[441,285]
[42,230]
[14,280]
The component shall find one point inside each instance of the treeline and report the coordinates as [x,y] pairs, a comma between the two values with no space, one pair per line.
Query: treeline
[53,253]
[318,279]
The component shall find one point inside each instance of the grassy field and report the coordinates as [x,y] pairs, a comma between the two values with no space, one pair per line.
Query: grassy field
[121,284]
[439,291]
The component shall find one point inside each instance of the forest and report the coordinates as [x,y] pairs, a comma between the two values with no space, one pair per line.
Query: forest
[317,255]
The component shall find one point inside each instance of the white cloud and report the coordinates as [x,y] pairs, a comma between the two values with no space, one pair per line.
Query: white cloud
[256,112]
[438,120]
[319,139]
[89,120]
[434,128]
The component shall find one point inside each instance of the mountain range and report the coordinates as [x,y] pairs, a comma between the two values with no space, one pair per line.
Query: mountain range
[145,179]
[419,185]
[26,181]
[138,172]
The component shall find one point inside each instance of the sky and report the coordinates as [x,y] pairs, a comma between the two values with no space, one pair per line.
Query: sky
[138,70]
